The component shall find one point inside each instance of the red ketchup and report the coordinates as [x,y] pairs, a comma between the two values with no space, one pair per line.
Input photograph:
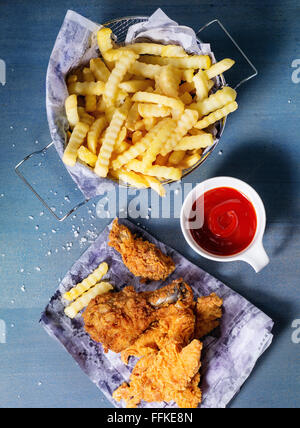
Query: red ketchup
[229,222]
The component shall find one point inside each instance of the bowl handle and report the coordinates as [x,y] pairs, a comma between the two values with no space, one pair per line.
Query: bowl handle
[256,256]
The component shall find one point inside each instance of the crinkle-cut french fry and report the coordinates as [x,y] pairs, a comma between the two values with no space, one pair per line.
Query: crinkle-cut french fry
[167,127]
[195,142]
[136,136]
[87,88]
[136,85]
[187,75]
[146,97]
[186,98]
[72,78]
[153,110]
[146,70]
[191,61]
[176,157]
[136,149]
[76,140]
[131,178]
[108,143]
[150,122]
[109,112]
[168,80]
[99,69]
[139,125]
[85,117]
[189,161]
[87,283]
[195,131]
[133,117]
[201,85]
[219,68]
[87,156]
[120,148]
[187,121]
[116,76]
[94,133]
[215,101]
[151,49]
[167,172]
[105,43]
[216,115]
[71,110]
[155,184]
[162,160]
[173,51]
[72,310]
[187,87]
[101,105]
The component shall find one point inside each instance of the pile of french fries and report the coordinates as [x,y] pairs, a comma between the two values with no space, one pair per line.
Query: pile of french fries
[141,113]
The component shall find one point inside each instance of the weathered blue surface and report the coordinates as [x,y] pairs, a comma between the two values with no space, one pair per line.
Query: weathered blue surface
[260,145]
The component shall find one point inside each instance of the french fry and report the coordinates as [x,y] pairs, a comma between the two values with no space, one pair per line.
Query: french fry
[201,85]
[187,87]
[189,62]
[168,80]
[215,101]
[136,85]
[150,122]
[195,142]
[87,156]
[176,157]
[155,170]
[167,126]
[116,76]
[87,283]
[153,110]
[136,149]
[146,70]
[72,78]
[173,51]
[99,69]
[190,160]
[90,100]
[216,115]
[133,117]
[162,160]
[131,178]
[155,184]
[187,75]
[76,140]
[219,68]
[187,121]
[71,110]
[136,136]
[105,43]
[85,117]
[94,133]
[120,148]
[186,98]
[108,143]
[146,97]
[72,310]
[87,88]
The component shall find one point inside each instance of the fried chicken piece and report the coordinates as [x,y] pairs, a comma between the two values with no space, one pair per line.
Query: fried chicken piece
[142,258]
[168,375]
[176,325]
[118,319]
[208,311]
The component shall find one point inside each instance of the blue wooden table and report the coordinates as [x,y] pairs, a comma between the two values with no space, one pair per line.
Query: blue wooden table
[260,145]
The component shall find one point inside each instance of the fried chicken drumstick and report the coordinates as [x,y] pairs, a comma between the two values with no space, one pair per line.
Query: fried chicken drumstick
[142,258]
[118,319]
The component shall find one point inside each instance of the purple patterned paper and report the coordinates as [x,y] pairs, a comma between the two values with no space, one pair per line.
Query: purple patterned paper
[229,354]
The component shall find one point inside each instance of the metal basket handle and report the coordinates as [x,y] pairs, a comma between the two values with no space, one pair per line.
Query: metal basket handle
[36,193]
[255,72]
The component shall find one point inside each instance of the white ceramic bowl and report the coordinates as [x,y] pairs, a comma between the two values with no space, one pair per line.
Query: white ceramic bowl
[254,254]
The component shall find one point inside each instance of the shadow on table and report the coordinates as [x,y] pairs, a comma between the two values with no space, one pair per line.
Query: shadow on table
[269,169]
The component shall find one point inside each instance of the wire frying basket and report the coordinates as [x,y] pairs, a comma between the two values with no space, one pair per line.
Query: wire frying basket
[119,28]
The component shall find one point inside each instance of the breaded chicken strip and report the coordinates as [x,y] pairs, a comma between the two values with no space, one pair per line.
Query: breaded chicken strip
[208,311]
[142,258]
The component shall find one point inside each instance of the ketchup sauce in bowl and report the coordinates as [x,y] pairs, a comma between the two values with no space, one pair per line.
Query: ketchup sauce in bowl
[229,222]
[224,219]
